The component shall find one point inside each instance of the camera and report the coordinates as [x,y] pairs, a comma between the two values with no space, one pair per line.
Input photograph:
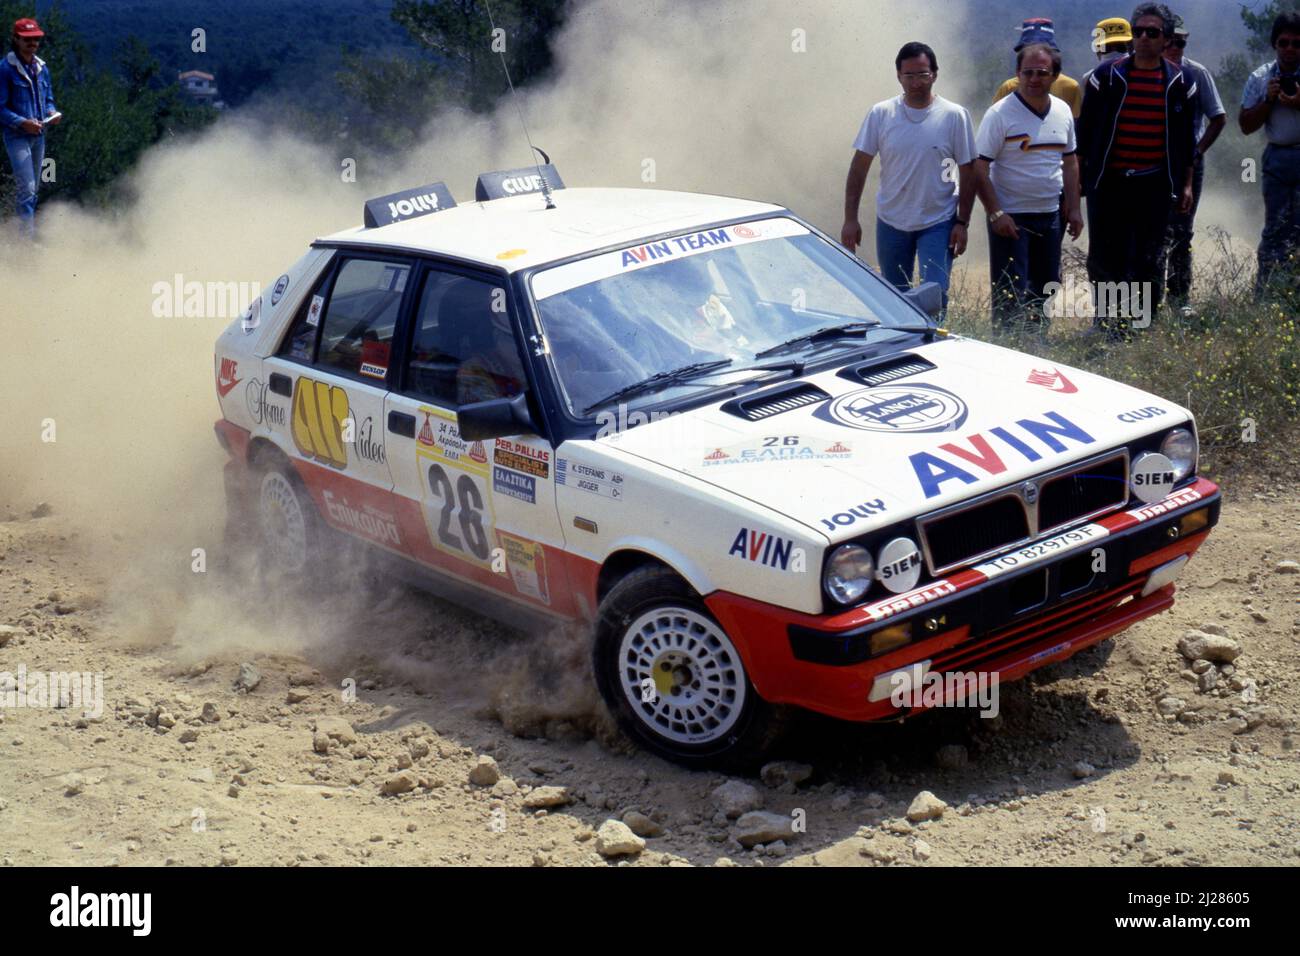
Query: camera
[1289,85]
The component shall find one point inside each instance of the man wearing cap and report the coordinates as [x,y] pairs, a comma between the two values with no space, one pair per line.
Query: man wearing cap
[1112,38]
[1271,100]
[1209,118]
[926,146]
[1041,30]
[1138,136]
[26,109]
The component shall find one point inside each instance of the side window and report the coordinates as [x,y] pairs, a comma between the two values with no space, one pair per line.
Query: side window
[360,317]
[464,347]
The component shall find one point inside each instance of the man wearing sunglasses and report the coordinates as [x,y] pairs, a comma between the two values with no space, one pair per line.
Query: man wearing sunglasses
[1271,100]
[1138,138]
[1209,118]
[1027,175]
[26,109]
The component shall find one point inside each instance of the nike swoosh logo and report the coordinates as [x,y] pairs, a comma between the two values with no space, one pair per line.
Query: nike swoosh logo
[224,387]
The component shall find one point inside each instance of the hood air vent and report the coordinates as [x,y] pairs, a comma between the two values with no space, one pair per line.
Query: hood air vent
[774,401]
[896,367]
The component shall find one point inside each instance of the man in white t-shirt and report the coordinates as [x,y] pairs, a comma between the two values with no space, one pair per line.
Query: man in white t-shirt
[1026,164]
[926,146]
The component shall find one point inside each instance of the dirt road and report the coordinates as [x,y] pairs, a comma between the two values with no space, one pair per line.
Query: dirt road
[356,693]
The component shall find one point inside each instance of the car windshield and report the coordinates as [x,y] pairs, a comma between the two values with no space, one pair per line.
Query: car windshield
[688,303]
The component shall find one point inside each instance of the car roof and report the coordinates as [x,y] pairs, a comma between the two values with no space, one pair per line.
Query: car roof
[519,232]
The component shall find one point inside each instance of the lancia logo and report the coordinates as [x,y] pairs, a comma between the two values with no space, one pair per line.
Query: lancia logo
[1029,491]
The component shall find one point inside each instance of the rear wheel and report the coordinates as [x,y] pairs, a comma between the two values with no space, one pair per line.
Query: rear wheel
[673,678]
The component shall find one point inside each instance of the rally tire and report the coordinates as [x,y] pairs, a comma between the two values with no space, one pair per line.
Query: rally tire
[699,708]
[290,535]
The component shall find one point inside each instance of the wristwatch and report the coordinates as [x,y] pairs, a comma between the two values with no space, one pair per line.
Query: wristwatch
[996,216]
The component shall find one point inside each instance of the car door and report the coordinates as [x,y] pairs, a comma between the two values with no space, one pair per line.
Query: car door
[487,507]
[334,365]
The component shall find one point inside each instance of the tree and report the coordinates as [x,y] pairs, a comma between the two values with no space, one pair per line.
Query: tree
[1260,24]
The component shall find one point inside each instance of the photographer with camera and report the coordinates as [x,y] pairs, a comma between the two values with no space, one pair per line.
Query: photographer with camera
[1271,100]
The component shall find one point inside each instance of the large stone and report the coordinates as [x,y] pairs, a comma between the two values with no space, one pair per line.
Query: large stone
[485,773]
[249,677]
[336,728]
[1198,645]
[403,782]
[543,798]
[785,771]
[615,838]
[759,826]
[1171,706]
[926,806]
[736,797]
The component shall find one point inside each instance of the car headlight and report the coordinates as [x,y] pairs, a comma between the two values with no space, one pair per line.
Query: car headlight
[1179,447]
[849,573]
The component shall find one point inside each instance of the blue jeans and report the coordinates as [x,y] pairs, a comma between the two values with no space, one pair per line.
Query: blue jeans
[1021,268]
[26,154]
[898,251]
[1281,235]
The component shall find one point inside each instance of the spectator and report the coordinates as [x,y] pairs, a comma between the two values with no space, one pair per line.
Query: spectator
[1137,137]
[926,146]
[26,109]
[1040,30]
[1209,118]
[1271,100]
[1026,150]
[1112,38]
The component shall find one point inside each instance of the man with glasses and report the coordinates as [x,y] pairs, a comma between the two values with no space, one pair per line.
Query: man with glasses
[26,109]
[1026,174]
[1138,138]
[1271,100]
[1209,119]
[926,146]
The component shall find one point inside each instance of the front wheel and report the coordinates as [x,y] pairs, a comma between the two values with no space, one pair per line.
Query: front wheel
[673,678]
[289,533]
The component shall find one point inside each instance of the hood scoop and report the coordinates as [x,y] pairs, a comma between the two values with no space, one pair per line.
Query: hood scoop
[895,367]
[774,401]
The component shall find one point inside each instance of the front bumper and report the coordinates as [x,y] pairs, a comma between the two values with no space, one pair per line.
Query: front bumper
[1005,617]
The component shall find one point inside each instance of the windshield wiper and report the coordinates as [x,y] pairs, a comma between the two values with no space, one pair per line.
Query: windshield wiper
[829,333]
[660,379]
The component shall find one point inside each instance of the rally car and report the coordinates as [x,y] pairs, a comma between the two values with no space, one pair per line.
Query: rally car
[758,476]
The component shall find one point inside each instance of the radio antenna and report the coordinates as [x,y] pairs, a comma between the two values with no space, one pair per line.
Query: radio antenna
[514,96]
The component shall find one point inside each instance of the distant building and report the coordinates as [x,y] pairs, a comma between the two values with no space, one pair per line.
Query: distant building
[200,87]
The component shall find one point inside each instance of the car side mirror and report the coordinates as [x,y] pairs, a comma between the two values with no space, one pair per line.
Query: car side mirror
[495,418]
[926,298]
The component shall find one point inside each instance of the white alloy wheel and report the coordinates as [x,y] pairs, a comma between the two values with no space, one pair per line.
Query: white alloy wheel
[681,675]
[283,523]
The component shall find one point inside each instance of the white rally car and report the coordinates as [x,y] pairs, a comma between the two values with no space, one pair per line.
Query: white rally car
[756,473]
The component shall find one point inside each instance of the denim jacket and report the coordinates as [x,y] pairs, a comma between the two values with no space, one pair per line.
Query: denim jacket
[19,100]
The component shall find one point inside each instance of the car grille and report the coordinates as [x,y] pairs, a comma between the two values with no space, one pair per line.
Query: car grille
[1003,519]
[1071,496]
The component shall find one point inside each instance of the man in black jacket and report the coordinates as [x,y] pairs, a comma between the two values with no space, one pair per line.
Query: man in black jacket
[1136,141]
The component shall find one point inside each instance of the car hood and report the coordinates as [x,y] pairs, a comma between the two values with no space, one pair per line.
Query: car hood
[962,417]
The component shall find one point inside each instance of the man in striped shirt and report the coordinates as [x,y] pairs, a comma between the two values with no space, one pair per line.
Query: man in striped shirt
[1137,138]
